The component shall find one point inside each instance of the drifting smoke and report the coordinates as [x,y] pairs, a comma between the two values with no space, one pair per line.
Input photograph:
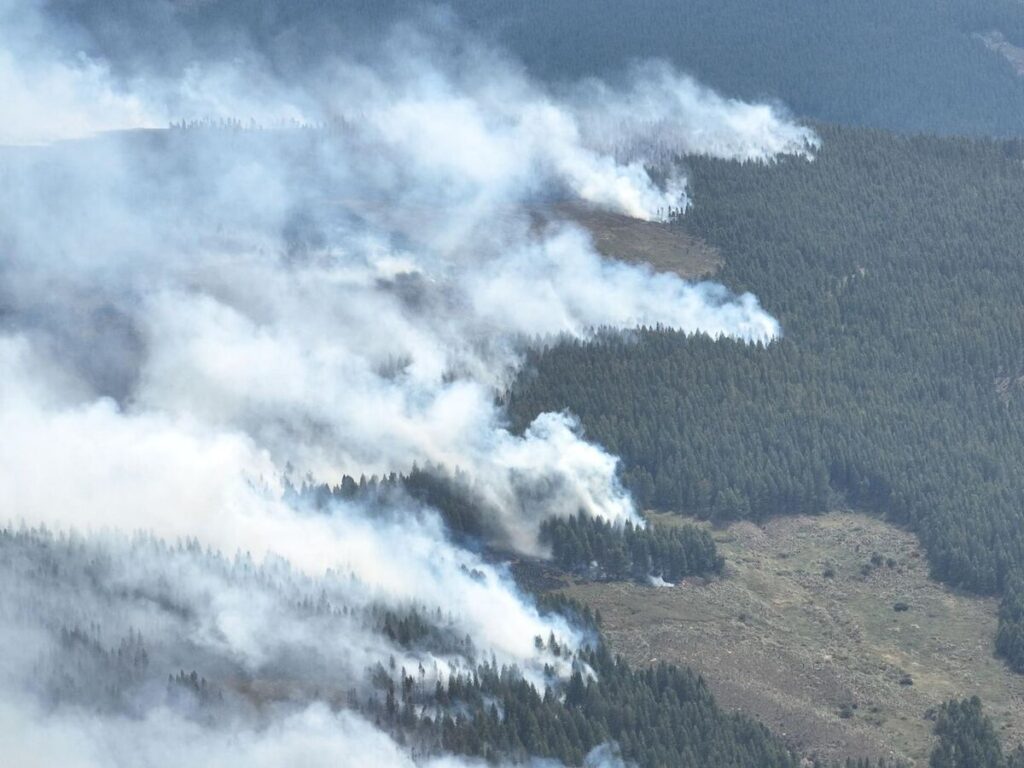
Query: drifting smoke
[658,116]
[313,738]
[189,318]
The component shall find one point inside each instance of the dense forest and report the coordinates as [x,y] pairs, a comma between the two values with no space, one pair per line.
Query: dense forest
[916,65]
[432,487]
[73,595]
[895,266]
[585,546]
[967,739]
[360,219]
[70,593]
[655,717]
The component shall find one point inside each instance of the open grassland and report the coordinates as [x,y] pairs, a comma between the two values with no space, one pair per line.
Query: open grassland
[802,632]
[664,247]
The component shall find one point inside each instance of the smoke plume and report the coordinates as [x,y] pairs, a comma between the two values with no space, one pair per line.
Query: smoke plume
[301,277]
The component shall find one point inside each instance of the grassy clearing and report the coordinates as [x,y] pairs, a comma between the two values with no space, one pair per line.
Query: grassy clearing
[802,633]
[663,247]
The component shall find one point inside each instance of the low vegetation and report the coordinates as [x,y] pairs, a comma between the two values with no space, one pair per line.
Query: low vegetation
[821,659]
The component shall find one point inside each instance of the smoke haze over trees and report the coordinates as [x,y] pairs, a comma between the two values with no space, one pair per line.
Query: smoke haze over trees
[316,270]
[895,266]
[291,372]
[915,66]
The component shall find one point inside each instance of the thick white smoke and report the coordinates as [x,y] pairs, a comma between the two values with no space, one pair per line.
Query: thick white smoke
[190,317]
[93,468]
[52,91]
[312,738]
[336,296]
[658,115]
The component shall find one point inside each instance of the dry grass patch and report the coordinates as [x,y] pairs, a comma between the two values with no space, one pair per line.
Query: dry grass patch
[826,628]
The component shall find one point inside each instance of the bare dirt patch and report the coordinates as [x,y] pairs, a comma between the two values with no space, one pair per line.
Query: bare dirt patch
[665,247]
[661,246]
[803,632]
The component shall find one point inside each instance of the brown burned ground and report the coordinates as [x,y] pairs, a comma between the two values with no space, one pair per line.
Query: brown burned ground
[659,245]
[664,247]
[779,639]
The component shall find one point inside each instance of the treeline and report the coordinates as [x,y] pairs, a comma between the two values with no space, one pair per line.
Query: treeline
[449,494]
[582,699]
[896,267]
[52,582]
[585,546]
[656,717]
[1010,634]
[966,739]
[236,125]
[588,546]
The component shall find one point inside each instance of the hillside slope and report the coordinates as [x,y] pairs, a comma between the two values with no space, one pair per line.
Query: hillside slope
[915,65]
[802,633]
[895,267]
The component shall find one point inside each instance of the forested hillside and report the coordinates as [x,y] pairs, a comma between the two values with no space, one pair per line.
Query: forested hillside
[452,248]
[656,717]
[913,65]
[586,546]
[895,265]
[72,589]
[967,739]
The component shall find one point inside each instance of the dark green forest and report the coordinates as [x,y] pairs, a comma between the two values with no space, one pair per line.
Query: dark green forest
[895,266]
[662,715]
[584,697]
[967,739]
[588,698]
[657,717]
[587,547]
[894,261]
